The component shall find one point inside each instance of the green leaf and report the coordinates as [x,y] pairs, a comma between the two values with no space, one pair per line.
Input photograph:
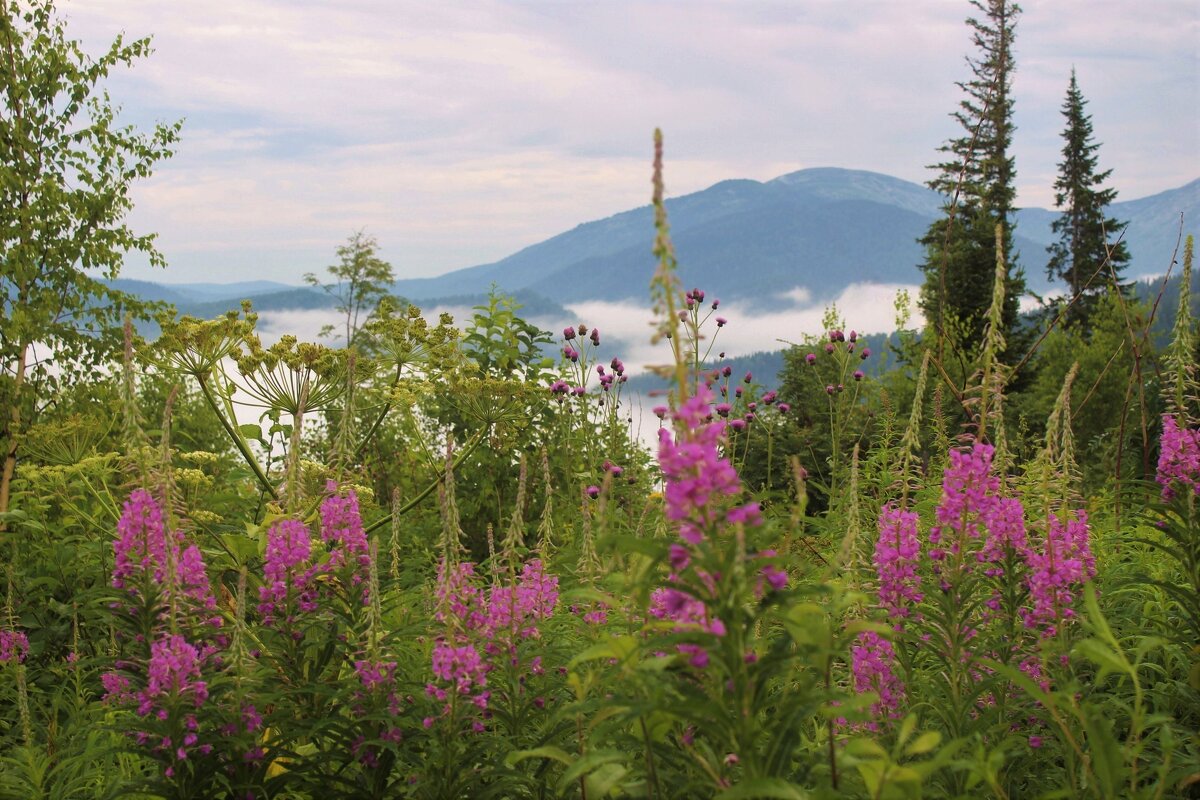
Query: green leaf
[618,647]
[548,751]
[251,431]
[775,788]
[604,779]
[923,743]
[583,766]
[1103,656]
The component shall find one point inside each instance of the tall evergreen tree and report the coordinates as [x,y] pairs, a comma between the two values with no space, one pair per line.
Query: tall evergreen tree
[977,180]
[1085,249]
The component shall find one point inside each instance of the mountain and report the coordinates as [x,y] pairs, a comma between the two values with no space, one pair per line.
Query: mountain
[820,229]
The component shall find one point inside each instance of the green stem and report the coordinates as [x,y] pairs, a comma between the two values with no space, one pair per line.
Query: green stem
[387,519]
[237,438]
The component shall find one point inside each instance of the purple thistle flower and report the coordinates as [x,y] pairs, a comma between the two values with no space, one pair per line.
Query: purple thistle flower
[595,337]
[865,354]
[568,333]
[858,375]
[784,408]
[722,322]
[811,358]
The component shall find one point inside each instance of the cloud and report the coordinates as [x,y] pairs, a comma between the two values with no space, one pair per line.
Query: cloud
[459,133]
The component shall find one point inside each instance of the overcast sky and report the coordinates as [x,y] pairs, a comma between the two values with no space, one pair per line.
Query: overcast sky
[458,133]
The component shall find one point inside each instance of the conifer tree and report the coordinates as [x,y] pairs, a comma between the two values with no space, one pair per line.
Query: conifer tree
[977,180]
[1088,240]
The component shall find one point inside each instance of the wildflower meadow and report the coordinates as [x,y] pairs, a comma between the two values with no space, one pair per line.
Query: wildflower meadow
[449,558]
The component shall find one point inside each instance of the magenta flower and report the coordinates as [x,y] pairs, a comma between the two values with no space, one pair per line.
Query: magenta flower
[461,666]
[722,322]
[873,664]
[286,570]
[697,477]
[141,541]
[375,674]
[897,556]
[342,526]
[14,645]
[811,358]
[173,674]
[1058,572]
[1179,458]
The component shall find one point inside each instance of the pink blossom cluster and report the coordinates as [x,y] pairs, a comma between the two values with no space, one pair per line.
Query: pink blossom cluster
[374,674]
[698,479]
[290,575]
[14,645]
[969,494]
[872,662]
[483,629]
[173,673]
[461,666]
[689,614]
[1054,574]
[897,555]
[1179,458]
[287,574]
[146,550]
[700,487]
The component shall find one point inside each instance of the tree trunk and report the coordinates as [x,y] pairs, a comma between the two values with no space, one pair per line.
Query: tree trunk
[14,428]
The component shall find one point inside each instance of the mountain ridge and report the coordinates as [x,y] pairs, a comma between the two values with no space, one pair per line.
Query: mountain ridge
[820,229]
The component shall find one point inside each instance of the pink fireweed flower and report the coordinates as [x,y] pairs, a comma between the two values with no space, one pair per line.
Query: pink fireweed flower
[1057,573]
[516,609]
[969,494]
[461,666]
[458,598]
[14,645]
[374,674]
[341,523]
[173,673]
[289,547]
[897,554]
[689,614]
[1005,521]
[144,547]
[873,664]
[141,540]
[697,477]
[1179,458]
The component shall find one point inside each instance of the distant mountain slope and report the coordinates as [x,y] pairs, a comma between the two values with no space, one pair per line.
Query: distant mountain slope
[820,229]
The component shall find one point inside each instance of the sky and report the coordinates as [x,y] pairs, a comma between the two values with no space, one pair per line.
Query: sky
[458,133]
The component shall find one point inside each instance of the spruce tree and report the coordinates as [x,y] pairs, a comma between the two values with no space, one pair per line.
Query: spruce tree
[1082,256]
[977,180]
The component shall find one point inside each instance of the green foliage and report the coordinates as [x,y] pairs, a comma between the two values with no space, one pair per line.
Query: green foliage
[68,167]
[361,280]
[1089,255]
[977,181]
